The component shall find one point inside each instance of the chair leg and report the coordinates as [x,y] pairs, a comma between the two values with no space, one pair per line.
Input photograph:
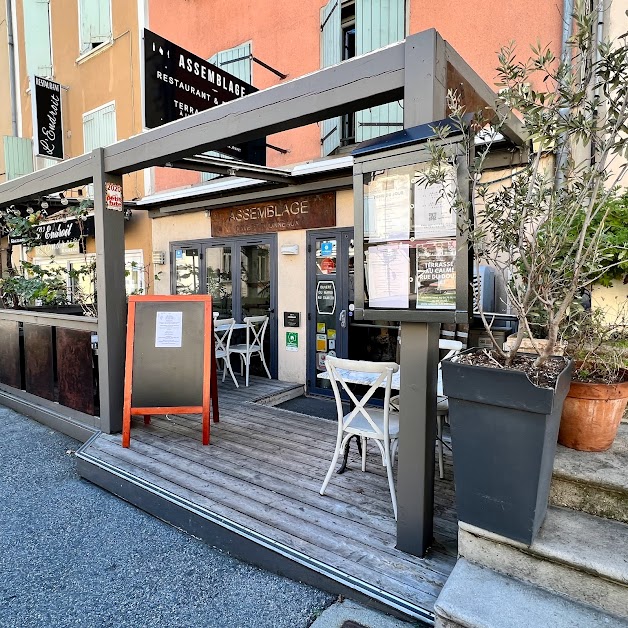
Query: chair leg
[224,368]
[340,443]
[233,377]
[261,355]
[391,482]
[363,439]
[248,367]
[439,444]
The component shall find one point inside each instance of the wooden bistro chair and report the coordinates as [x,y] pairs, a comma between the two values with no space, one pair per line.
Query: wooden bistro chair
[223,329]
[378,424]
[255,331]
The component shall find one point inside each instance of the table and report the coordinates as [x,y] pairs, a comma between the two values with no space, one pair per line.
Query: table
[219,327]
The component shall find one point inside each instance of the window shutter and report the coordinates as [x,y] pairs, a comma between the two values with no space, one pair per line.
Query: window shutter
[37,37]
[236,61]
[331,54]
[18,156]
[99,128]
[95,26]
[378,23]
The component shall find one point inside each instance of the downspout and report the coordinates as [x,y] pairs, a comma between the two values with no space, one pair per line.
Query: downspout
[12,68]
[599,37]
[561,148]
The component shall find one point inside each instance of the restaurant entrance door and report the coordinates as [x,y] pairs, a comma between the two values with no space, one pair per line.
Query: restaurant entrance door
[331,328]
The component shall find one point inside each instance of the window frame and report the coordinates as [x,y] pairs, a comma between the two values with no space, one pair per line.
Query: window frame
[86,52]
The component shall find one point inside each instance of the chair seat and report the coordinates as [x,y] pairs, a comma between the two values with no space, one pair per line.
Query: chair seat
[360,426]
[221,353]
[244,348]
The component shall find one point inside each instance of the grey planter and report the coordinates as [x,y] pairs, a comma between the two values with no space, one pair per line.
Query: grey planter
[504,431]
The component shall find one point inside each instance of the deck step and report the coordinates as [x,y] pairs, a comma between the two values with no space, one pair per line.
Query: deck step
[577,555]
[594,482]
[478,597]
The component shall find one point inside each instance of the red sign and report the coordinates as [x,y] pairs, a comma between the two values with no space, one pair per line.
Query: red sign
[113,196]
[328,265]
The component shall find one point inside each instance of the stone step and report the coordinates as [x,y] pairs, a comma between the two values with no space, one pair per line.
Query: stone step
[478,597]
[593,482]
[576,555]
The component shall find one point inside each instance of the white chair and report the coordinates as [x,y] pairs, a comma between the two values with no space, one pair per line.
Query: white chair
[255,331]
[442,405]
[222,336]
[379,424]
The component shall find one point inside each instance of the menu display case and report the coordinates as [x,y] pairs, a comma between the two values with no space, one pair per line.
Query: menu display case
[415,256]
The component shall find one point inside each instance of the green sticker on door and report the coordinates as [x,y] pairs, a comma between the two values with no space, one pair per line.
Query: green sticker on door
[292,341]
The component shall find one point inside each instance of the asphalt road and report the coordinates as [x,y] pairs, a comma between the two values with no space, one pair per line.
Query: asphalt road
[73,555]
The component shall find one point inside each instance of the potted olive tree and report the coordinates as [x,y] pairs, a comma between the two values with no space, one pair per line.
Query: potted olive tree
[541,226]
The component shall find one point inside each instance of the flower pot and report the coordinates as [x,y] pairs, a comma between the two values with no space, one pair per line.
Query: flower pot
[591,415]
[504,431]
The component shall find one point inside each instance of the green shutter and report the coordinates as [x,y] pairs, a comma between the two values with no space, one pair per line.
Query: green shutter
[99,128]
[378,23]
[95,26]
[18,156]
[331,54]
[37,37]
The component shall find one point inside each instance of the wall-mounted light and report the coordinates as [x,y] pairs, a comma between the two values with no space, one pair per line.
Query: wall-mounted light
[289,249]
[44,205]
[64,200]
[159,257]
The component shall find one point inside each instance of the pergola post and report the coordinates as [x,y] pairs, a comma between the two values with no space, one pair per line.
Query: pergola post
[424,102]
[110,287]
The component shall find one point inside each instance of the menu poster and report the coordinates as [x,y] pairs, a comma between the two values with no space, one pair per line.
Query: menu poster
[434,216]
[436,274]
[387,208]
[388,276]
[169,329]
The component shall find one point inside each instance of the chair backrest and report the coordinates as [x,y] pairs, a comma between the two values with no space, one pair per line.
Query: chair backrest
[255,330]
[215,315]
[222,333]
[382,373]
[452,347]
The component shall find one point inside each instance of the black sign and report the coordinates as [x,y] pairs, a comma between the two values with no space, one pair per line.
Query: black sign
[61,231]
[178,83]
[291,319]
[325,297]
[47,125]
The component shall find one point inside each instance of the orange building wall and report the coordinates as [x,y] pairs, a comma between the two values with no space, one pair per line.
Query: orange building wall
[286,35]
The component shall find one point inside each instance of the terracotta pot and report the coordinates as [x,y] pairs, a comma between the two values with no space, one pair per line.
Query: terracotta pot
[591,415]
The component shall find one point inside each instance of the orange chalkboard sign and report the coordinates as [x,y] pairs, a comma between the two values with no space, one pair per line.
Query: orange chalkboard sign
[170,365]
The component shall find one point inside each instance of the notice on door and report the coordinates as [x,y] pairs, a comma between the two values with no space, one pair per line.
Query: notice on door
[325,297]
[169,329]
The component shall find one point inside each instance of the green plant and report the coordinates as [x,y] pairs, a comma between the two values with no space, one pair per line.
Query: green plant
[545,229]
[34,286]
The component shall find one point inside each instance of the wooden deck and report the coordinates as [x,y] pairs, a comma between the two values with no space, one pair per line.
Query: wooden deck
[260,479]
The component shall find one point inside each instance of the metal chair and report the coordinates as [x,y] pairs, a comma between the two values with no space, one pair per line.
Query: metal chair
[255,331]
[222,336]
[380,425]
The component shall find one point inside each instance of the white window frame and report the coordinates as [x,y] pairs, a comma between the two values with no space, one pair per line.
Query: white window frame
[83,54]
[104,106]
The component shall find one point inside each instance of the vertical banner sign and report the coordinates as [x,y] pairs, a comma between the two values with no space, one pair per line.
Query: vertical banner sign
[47,123]
[178,84]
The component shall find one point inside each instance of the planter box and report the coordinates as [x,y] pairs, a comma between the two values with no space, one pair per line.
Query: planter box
[504,431]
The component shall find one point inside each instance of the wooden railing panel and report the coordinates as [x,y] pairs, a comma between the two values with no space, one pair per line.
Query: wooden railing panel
[75,369]
[10,371]
[38,361]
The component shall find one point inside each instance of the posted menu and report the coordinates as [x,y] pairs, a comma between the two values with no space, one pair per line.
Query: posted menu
[436,274]
[387,208]
[388,277]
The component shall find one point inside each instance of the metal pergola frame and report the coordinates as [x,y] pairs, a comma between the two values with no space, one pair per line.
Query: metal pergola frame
[418,70]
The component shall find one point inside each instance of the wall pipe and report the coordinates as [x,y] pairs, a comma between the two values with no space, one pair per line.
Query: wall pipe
[12,68]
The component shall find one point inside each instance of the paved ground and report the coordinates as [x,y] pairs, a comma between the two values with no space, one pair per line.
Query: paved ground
[73,555]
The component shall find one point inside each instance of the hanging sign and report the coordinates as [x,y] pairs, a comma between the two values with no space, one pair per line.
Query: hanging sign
[47,123]
[326,298]
[55,231]
[178,84]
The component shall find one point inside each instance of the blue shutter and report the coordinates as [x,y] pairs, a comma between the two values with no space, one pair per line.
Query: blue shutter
[378,23]
[18,156]
[37,37]
[99,128]
[331,54]
[236,61]
[95,23]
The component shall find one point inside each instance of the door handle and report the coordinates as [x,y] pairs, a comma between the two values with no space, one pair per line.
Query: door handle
[343,318]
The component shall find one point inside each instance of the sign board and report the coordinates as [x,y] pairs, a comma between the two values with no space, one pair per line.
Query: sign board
[178,84]
[292,341]
[325,299]
[47,120]
[113,196]
[167,369]
[297,212]
[292,319]
[55,231]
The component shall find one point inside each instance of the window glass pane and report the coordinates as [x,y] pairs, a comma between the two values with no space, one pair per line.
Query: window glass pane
[187,278]
[255,279]
[219,279]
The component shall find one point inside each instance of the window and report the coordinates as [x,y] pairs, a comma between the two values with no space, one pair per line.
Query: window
[350,28]
[94,24]
[236,61]
[37,37]
[18,156]
[99,127]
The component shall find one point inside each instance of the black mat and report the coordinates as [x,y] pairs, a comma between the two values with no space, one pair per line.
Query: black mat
[314,406]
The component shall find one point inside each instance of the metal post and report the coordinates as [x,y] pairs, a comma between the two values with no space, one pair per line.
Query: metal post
[424,102]
[111,299]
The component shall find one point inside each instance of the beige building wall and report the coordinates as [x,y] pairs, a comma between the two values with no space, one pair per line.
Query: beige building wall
[5,93]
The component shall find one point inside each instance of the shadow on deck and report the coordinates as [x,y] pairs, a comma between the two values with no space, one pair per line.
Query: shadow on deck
[254,492]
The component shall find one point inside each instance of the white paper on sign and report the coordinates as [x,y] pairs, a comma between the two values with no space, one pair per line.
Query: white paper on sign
[387,208]
[389,275]
[433,214]
[169,329]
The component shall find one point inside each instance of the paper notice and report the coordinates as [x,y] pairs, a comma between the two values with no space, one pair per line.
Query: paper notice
[433,213]
[169,329]
[389,275]
[387,208]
